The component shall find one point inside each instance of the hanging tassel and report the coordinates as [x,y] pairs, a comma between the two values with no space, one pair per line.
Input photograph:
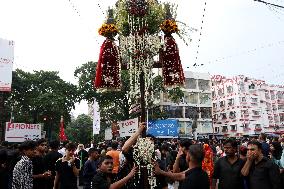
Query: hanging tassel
[108,70]
[171,63]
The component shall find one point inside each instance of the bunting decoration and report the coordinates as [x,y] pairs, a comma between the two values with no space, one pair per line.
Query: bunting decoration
[62,136]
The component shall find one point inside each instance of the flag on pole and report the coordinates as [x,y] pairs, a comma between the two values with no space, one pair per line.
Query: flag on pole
[96,118]
[62,136]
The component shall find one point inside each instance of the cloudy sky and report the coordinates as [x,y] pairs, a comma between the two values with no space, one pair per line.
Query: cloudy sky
[238,36]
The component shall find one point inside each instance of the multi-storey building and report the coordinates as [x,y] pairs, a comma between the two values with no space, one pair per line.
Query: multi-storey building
[246,106]
[194,111]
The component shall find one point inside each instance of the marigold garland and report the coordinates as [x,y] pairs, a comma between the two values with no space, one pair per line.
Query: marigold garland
[169,26]
[108,30]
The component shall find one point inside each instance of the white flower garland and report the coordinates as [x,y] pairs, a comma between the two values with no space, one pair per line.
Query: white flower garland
[143,156]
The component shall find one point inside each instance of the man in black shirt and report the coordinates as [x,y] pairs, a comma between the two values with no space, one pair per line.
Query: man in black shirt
[90,167]
[180,164]
[262,172]
[50,159]
[195,177]
[40,174]
[228,169]
[104,178]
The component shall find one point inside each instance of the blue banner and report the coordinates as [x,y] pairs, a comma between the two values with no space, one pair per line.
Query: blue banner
[163,128]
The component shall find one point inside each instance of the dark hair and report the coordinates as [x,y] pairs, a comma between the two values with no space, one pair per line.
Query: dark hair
[185,143]
[231,141]
[71,146]
[54,144]
[27,145]
[277,153]
[102,159]
[92,150]
[114,145]
[164,147]
[262,136]
[255,142]
[40,141]
[196,153]
[65,142]
[3,156]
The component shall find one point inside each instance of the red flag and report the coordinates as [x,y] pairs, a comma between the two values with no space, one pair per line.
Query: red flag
[62,136]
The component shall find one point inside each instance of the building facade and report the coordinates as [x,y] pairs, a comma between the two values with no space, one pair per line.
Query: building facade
[194,111]
[244,106]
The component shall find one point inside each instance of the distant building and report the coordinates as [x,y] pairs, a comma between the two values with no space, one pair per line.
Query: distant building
[194,111]
[246,106]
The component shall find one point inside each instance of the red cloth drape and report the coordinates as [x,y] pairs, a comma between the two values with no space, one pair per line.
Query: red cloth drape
[207,163]
[172,68]
[62,136]
[107,72]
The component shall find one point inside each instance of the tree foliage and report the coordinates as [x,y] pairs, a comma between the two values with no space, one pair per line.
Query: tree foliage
[80,129]
[41,95]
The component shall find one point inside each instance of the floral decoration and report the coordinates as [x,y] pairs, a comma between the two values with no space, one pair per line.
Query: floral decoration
[108,30]
[169,26]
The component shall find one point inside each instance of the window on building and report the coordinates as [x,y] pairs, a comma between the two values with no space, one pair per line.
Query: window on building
[274,107]
[205,99]
[204,85]
[252,86]
[206,113]
[272,95]
[267,95]
[229,89]
[254,100]
[213,94]
[256,113]
[223,116]
[243,99]
[220,92]
[214,105]
[232,115]
[257,126]
[215,117]
[233,127]
[222,104]
[245,113]
[191,112]
[216,129]
[224,129]
[281,116]
[166,97]
[174,111]
[242,87]
[281,107]
[280,95]
[246,126]
[190,83]
[231,102]
[193,98]
[186,98]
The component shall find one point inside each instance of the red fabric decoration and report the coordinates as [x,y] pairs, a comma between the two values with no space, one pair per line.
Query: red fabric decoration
[207,163]
[107,72]
[62,136]
[171,64]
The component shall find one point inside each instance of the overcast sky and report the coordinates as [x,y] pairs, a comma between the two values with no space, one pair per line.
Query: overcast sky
[238,36]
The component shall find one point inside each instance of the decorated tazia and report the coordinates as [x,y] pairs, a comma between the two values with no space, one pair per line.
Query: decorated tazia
[108,68]
[171,63]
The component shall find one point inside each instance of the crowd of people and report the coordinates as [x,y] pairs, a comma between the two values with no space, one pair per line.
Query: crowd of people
[245,163]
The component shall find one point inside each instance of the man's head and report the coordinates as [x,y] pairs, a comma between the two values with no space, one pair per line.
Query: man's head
[41,145]
[230,147]
[54,145]
[262,137]
[114,145]
[105,164]
[254,149]
[195,154]
[185,144]
[70,149]
[28,148]
[94,153]
[164,150]
[80,147]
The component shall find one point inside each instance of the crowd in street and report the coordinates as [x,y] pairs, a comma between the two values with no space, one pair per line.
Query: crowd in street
[245,163]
